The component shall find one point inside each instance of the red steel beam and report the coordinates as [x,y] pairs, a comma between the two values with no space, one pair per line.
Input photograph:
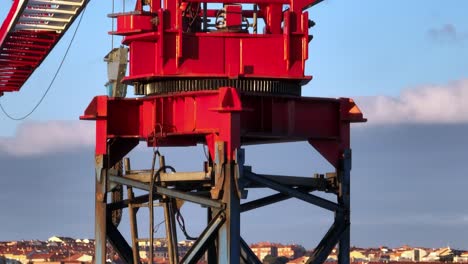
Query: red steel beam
[197,117]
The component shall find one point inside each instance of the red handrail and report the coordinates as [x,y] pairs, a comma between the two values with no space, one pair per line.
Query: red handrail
[29,33]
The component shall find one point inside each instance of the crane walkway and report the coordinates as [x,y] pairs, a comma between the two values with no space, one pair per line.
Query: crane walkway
[29,33]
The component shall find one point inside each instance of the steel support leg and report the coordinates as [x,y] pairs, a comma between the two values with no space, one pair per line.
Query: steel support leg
[344,200]
[118,242]
[227,143]
[100,210]
[115,150]
[226,189]
[132,211]
[247,255]
[229,233]
[203,242]
[340,230]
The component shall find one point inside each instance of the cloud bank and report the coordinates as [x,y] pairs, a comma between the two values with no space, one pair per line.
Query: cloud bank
[446,32]
[443,104]
[36,138]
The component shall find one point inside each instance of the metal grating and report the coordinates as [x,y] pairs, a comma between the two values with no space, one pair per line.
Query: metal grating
[30,31]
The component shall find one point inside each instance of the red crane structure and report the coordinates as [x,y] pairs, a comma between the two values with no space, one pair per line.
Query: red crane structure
[224,73]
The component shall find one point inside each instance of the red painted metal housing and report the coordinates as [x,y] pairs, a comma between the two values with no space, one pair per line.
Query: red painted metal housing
[164,45]
[197,117]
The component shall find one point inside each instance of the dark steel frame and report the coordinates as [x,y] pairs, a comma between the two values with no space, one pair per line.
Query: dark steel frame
[224,120]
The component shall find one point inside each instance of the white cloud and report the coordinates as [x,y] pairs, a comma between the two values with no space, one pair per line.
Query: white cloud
[447,33]
[428,218]
[36,138]
[428,104]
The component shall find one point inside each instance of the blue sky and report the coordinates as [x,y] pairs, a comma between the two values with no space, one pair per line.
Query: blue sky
[405,62]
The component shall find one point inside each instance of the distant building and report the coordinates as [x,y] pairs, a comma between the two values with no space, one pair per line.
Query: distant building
[186,243]
[263,249]
[158,242]
[358,256]
[183,250]
[40,257]
[4,260]
[290,251]
[301,260]
[415,254]
[143,254]
[462,258]
[445,254]
[36,243]
[61,240]
[161,252]
[65,250]
[395,256]
[384,249]
[332,258]
[80,257]
[16,255]
[85,241]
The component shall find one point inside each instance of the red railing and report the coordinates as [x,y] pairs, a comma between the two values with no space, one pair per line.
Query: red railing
[28,34]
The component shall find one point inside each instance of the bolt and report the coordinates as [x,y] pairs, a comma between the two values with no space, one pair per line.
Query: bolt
[311,23]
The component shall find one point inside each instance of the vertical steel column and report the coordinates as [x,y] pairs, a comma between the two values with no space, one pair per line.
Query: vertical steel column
[100,209]
[211,256]
[132,211]
[229,233]
[229,140]
[344,200]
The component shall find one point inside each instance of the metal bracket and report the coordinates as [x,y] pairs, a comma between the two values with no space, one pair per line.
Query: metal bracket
[220,160]
[239,173]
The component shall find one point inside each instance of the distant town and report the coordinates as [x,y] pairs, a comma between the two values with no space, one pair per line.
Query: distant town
[62,250]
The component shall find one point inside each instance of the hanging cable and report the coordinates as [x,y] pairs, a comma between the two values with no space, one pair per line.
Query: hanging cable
[181,222]
[156,227]
[53,79]
[205,152]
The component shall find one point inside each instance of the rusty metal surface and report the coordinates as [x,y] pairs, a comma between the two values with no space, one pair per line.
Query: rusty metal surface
[100,210]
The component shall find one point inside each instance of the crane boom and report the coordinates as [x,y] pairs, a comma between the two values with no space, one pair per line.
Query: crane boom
[30,31]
